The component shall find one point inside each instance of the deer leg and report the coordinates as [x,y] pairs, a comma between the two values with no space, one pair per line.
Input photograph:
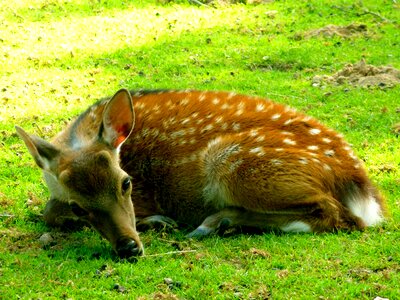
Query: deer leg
[216,222]
[230,217]
[315,214]
[155,221]
[59,214]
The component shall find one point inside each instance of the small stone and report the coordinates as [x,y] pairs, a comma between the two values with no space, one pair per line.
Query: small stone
[46,240]
[119,288]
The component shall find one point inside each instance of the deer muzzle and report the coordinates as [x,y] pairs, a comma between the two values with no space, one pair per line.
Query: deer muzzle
[127,248]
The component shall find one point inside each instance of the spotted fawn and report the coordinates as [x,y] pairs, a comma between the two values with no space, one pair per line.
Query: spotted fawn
[208,160]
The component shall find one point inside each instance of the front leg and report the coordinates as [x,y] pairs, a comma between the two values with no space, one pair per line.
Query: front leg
[156,222]
[216,223]
[59,214]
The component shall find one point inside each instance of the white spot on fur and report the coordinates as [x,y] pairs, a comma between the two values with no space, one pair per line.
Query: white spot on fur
[287,133]
[327,167]
[185,121]
[287,122]
[279,149]
[257,150]
[253,132]
[315,160]
[239,112]
[231,95]
[296,226]
[139,105]
[191,130]
[219,119]
[162,137]
[366,209]
[202,97]
[155,132]
[224,126]
[326,140]
[225,106]
[260,107]
[313,148]
[184,102]
[260,138]
[329,153]
[179,133]
[145,132]
[156,109]
[303,160]
[214,142]
[236,126]
[289,142]
[276,162]
[289,109]
[353,156]
[215,101]
[275,117]
[315,131]
[207,128]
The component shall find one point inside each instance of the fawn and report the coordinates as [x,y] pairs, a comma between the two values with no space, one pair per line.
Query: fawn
[211,160]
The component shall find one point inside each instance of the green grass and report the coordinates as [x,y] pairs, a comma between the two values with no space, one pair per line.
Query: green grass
[58,57]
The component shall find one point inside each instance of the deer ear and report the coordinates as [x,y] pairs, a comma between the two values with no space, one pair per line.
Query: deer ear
[118,119]
[42,152]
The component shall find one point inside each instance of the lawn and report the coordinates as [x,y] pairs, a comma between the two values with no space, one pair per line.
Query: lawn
[58,57]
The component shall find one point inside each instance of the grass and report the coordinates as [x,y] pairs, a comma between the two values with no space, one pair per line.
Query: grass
[58,57]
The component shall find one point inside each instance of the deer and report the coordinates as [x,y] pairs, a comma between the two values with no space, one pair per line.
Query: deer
[206,160]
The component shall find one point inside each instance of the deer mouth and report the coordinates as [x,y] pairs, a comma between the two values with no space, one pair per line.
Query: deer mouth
[127,248]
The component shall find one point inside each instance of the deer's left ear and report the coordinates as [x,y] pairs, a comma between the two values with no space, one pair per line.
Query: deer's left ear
[118,119]
[45,154]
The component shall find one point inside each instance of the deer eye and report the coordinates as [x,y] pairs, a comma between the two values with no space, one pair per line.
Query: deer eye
[126,184]
[77,210]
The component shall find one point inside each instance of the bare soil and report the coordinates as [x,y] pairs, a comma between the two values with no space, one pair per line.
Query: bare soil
[342,31]
[361,75]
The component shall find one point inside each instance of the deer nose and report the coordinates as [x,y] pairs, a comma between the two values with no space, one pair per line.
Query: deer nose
[128,248]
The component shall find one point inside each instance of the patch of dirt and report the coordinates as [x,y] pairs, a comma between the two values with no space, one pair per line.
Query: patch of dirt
[361,75]
[262,292]
[259,253]
[342,31]
[396,129]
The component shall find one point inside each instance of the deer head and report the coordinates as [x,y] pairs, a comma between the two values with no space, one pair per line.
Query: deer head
[87,175]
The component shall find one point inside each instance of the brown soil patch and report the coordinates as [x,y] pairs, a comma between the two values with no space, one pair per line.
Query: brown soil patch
[362,75]
[396,129]
[342,31]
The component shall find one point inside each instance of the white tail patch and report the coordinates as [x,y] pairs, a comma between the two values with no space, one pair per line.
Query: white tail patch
[296,226]
[367,209]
